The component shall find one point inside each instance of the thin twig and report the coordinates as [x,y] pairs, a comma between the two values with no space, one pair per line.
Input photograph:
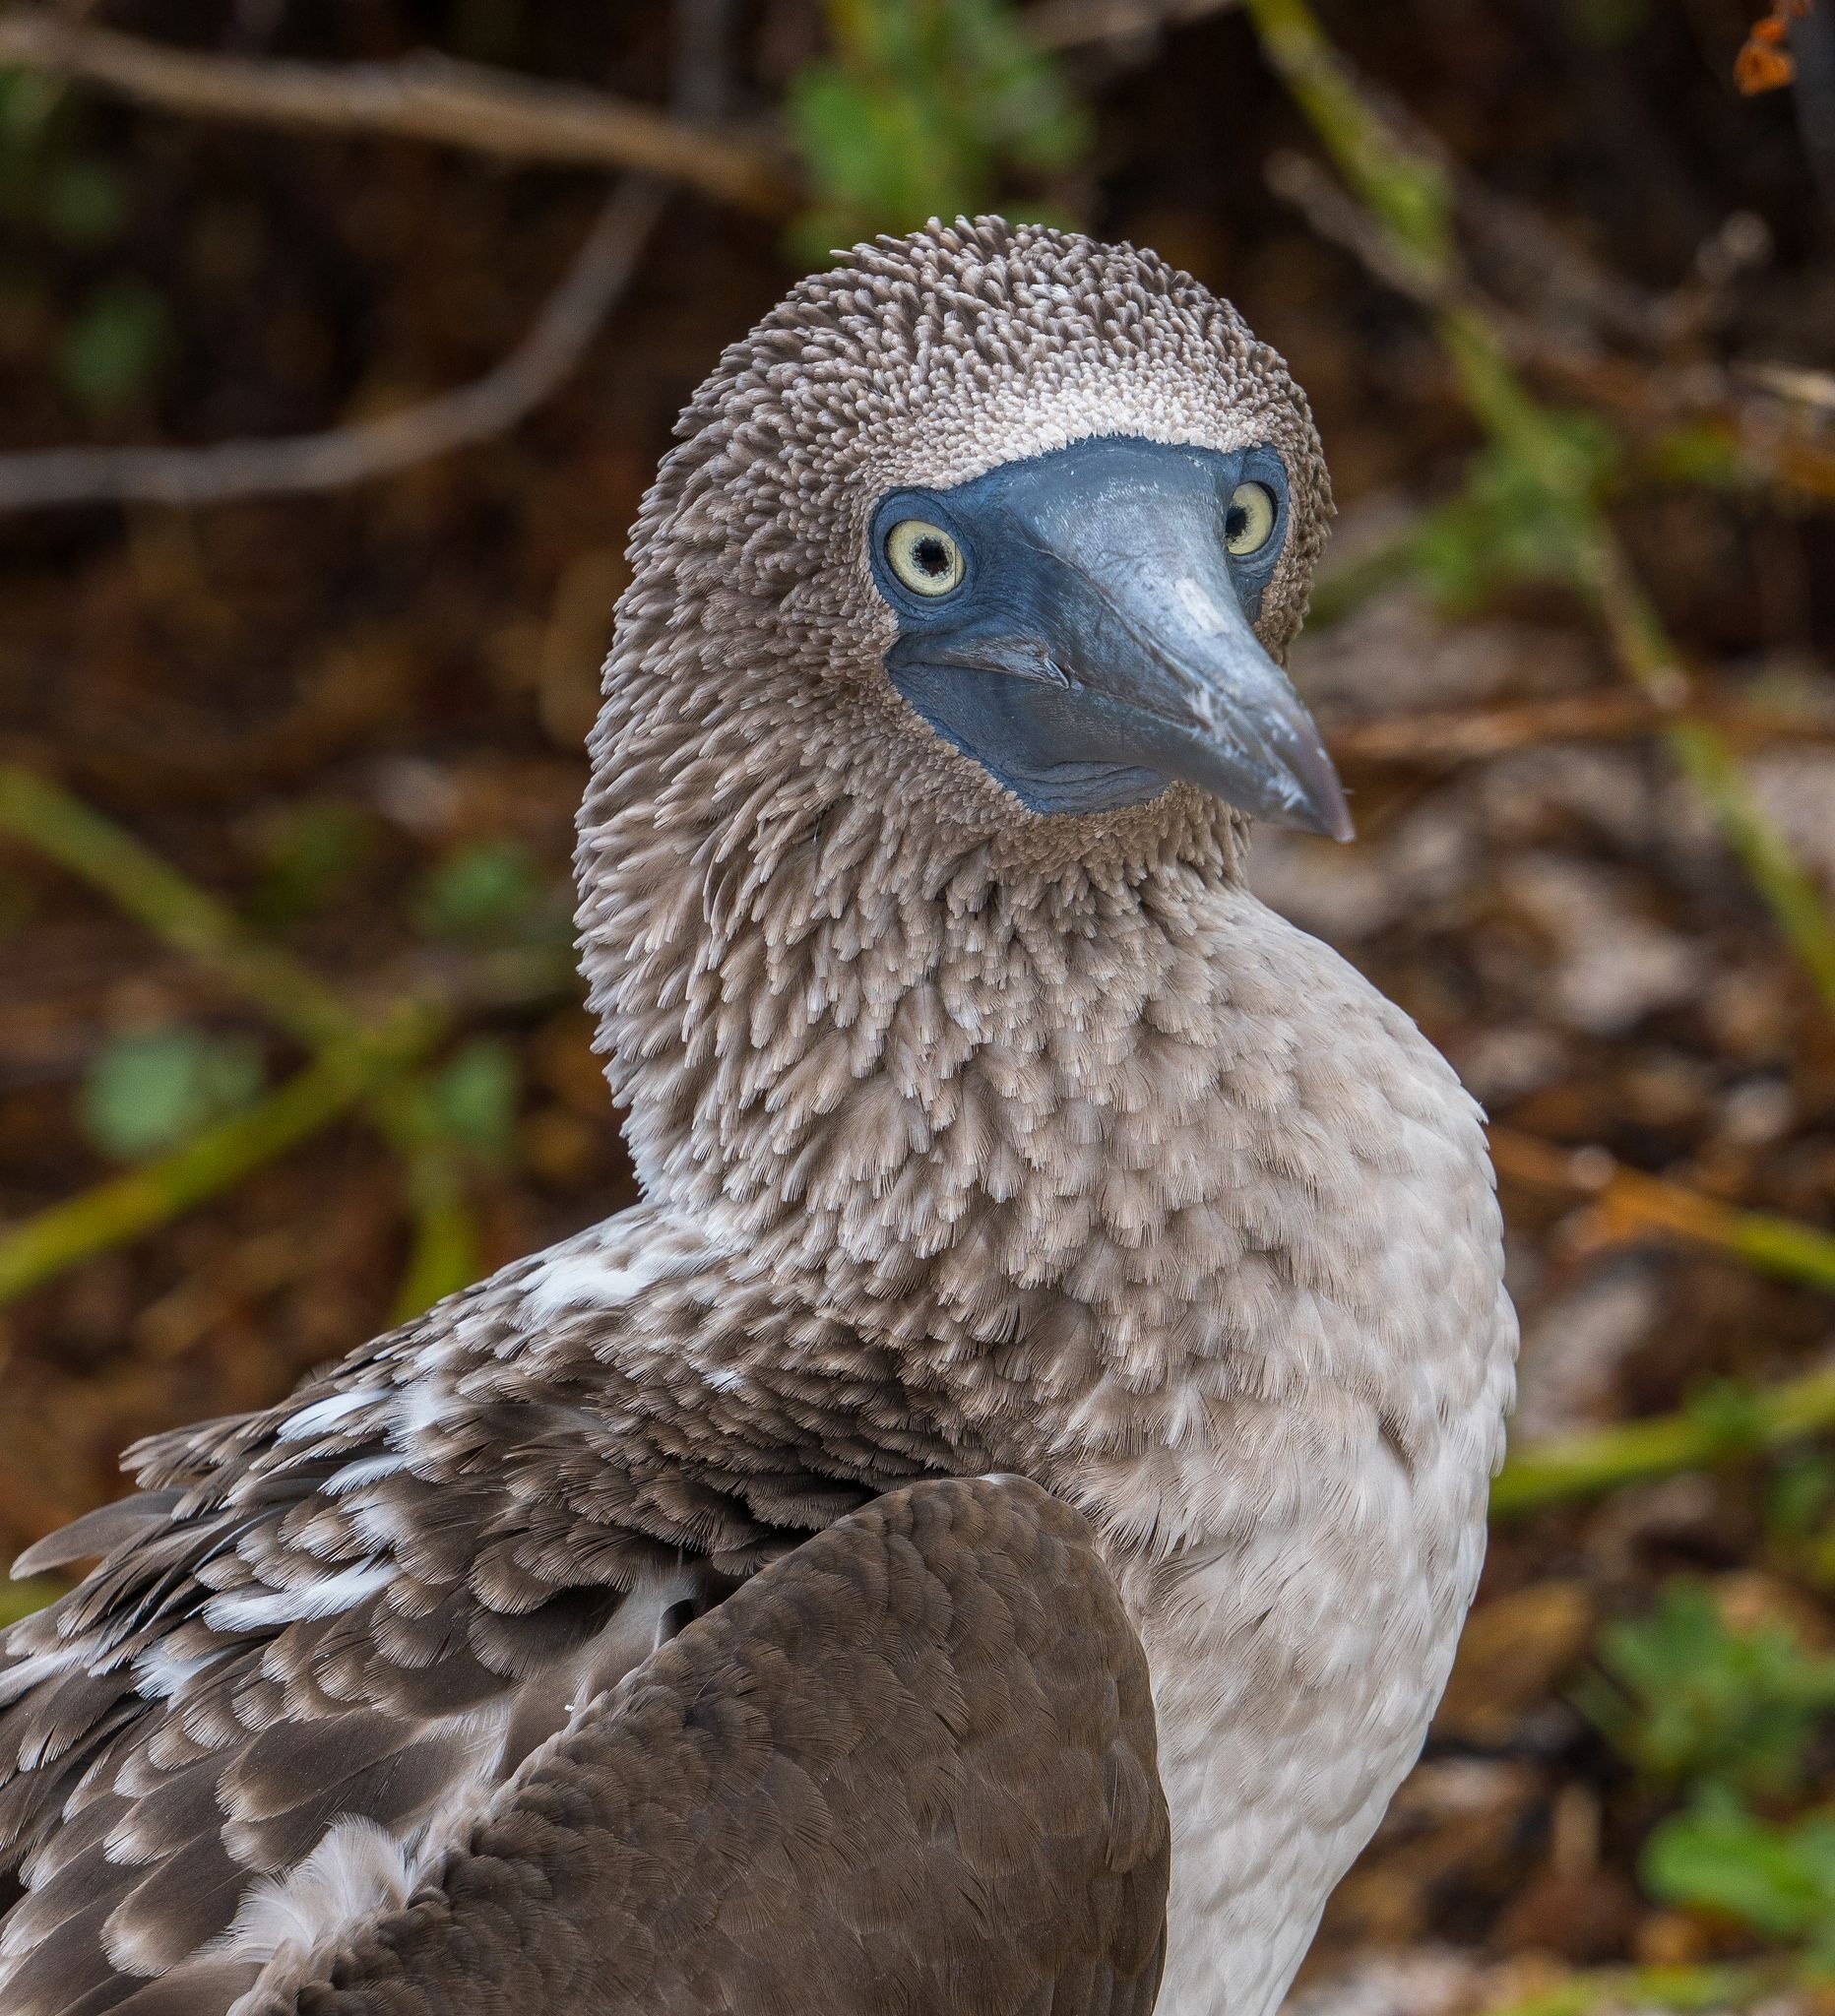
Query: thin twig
[425,96]
[40,1248]
[1468,734]
[1794,382]
[1657,400]
[1408,196]
[1447,735]
[1077,23]
[1627,1203]
[1730,1430]
[487,406]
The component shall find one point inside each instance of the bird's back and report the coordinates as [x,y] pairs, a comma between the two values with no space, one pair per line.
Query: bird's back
[330,1647]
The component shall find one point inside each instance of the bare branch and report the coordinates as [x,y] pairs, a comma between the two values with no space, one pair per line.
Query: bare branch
[1453,736]
[425,97]
[1075,24]
[488,406]
[1648,397]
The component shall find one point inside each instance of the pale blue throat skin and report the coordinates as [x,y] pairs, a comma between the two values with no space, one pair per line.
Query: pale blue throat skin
[1098,643]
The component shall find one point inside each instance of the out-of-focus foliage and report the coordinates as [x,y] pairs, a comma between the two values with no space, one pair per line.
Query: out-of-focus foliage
[1777,1878]
[926,108]
[1801,1516]
[1513,523]
[1690,1699]
[486,893]
[110,348]
[1729,1715]
[470,1102]
[354,721]
[111,341]
[310,851]
[152,1090]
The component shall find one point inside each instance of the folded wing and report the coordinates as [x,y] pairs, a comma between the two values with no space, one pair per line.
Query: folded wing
[339,1648]
[907,1768]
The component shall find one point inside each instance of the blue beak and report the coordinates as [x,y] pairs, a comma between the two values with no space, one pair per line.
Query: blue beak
[1102,644]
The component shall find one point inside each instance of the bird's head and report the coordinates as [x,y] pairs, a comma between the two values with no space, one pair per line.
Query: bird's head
[955,623]
[992,525]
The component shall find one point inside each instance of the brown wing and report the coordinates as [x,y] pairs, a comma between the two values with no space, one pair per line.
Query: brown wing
[362,1610]
[910,1768]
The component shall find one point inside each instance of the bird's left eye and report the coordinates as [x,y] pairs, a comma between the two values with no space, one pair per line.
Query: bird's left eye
[925,557]
[1248,524]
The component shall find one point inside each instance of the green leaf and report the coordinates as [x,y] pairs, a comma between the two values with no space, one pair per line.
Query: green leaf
[926,108]
[1688,1700]
[1799,1497]
[1607,23]
[1520,516]
[488,891]
[471,1101]
[110,350]
[310,851]
[29,101]
[1729,1413]
[1700,451]
[83,203]
[154,1090]
[1778,1879]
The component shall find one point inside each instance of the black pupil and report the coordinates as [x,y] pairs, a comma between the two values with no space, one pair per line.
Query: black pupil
[933,557]
[1235,522]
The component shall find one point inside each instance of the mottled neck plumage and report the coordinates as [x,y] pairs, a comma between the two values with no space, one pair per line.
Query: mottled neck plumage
[801,974]
[1049,1102]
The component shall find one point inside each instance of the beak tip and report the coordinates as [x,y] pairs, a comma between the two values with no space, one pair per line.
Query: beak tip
[1322,807]
[1329,822]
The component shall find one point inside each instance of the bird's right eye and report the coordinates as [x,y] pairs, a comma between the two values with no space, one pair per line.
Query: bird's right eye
[925,557]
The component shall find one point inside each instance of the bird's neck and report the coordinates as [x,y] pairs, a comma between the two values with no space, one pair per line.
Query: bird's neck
[1103,1127]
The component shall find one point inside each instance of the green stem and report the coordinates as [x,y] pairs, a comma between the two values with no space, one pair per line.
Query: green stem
[1782,1247]
[1410,195]
[1648,1987]
[177,910]
[20,1598]
[444,1255]
[35,1250]
[1411,199]
[1789,893]
[172,907]
[1573,1467]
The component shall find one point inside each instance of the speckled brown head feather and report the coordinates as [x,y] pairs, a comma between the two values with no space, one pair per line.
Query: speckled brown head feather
[611,1636]
[753,766]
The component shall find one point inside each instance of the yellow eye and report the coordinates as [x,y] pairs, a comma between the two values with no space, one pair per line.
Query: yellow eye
[1248,524]
[925,557]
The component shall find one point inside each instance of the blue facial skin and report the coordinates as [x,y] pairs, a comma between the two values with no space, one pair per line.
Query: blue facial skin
[1099,644]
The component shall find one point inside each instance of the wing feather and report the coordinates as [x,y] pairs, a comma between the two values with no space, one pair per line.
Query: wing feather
[909,1767]
[325,1640]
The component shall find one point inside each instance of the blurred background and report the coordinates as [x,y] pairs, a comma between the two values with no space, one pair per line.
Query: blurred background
[339,345]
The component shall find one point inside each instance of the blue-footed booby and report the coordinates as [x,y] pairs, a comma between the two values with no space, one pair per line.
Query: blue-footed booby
[1034,1433]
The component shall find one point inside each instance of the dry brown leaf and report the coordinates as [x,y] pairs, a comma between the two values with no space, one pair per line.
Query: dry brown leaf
[1764,63]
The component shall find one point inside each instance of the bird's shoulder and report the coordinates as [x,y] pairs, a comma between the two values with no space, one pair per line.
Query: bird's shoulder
[377,1598]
